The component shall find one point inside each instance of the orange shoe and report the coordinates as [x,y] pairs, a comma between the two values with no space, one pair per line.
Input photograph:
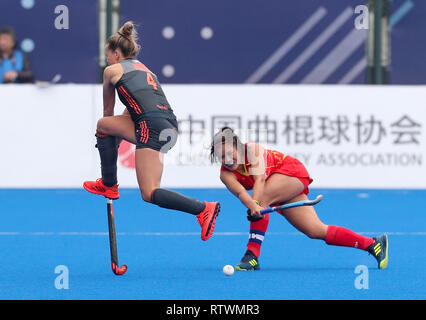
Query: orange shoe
[98,187]
[207,219]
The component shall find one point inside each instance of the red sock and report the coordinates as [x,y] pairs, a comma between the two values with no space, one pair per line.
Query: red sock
[257,234]
[339,236]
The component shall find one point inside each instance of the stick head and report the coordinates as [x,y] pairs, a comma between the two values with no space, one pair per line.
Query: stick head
[56,78]
[119,271]
[318,199]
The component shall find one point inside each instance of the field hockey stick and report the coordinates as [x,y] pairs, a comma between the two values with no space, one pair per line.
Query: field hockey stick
[293,205]
[48,84]
[113,242]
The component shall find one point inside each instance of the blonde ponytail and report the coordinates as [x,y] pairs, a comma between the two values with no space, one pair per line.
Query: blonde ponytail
[126,40]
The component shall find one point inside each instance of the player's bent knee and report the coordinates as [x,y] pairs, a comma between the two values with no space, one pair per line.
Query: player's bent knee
[147,194]
[101,134]
[101,127]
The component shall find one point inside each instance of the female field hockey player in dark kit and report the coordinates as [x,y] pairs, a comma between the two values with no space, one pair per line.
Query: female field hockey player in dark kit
[148,122]
[277,179]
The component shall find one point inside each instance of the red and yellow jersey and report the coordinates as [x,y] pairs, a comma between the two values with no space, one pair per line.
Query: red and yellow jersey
[275,162]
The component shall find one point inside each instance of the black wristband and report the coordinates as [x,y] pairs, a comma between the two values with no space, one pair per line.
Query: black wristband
[251,218]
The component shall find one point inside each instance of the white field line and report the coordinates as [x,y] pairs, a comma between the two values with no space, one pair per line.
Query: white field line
[178,234]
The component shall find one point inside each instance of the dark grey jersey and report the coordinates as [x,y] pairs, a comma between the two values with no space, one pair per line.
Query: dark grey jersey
[141,93]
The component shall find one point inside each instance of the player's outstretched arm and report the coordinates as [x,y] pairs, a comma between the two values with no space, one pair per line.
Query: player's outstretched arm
[232,184]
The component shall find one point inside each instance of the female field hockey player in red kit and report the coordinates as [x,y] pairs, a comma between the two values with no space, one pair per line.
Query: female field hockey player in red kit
[276,179]
[148,122]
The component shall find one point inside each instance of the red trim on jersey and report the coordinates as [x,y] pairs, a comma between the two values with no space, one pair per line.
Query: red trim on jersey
[130,100]
[162,107]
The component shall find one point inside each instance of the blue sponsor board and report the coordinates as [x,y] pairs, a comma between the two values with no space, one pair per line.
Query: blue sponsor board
[274,41]
[72,52]
[239,41]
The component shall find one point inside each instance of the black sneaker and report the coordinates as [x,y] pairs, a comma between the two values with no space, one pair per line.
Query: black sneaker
[379,250]
[248,262]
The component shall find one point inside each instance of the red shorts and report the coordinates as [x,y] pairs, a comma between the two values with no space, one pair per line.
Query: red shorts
[306,182]
[293,168]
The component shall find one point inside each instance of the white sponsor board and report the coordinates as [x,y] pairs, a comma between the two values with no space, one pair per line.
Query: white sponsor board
[347,136]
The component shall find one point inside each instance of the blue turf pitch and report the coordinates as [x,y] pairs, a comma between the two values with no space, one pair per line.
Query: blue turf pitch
[43,229]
